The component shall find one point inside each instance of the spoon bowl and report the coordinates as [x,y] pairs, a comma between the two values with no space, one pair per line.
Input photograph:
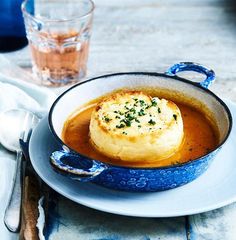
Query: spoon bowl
[11,128]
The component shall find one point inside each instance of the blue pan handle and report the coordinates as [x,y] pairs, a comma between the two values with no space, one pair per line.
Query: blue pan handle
[190,66]
[76,166]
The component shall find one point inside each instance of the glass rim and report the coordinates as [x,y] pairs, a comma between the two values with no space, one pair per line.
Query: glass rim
[89,12]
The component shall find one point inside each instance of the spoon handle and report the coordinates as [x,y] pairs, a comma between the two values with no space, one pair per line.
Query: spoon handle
[13,210]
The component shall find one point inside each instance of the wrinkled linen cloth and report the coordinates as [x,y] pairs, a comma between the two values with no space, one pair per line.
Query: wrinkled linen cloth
[16,93]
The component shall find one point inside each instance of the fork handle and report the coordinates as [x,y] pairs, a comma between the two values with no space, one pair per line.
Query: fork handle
[13,210]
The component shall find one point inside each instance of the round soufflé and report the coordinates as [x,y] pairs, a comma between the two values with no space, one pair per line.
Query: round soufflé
[133,126]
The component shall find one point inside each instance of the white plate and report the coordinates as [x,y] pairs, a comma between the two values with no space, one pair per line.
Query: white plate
[214,189]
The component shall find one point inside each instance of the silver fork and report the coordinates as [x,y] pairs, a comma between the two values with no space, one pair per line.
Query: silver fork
[27,122]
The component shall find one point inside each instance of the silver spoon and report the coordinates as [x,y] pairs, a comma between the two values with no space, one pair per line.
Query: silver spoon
[15,124]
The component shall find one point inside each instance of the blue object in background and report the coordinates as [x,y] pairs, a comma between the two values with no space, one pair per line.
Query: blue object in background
[11,20]
[12,29]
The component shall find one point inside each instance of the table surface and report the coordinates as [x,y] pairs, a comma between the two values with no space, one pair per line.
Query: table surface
[150,35]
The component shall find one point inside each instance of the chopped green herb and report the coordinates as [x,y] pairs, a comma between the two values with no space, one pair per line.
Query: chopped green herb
[117,117]
[177,162]
[154,103]
[139,126]
[175,116]
[142,103]
[151,122]
[136,120]
[132,110]
[120,126]
[127,122]
[115,111]
[107,119]
[159,110]
[129,117]
[208,150]
[141,112]
[125,133]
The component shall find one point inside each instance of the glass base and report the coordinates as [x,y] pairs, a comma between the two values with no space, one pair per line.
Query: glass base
[57,78]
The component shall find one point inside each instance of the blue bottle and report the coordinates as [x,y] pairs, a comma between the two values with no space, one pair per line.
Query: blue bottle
[12,29]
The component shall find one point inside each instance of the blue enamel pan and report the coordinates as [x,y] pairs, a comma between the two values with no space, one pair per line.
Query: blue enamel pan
[81,168]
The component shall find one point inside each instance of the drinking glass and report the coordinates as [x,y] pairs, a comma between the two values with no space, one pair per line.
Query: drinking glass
[58,32]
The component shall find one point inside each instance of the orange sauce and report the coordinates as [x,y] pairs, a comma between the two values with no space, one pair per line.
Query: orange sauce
[200,137]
